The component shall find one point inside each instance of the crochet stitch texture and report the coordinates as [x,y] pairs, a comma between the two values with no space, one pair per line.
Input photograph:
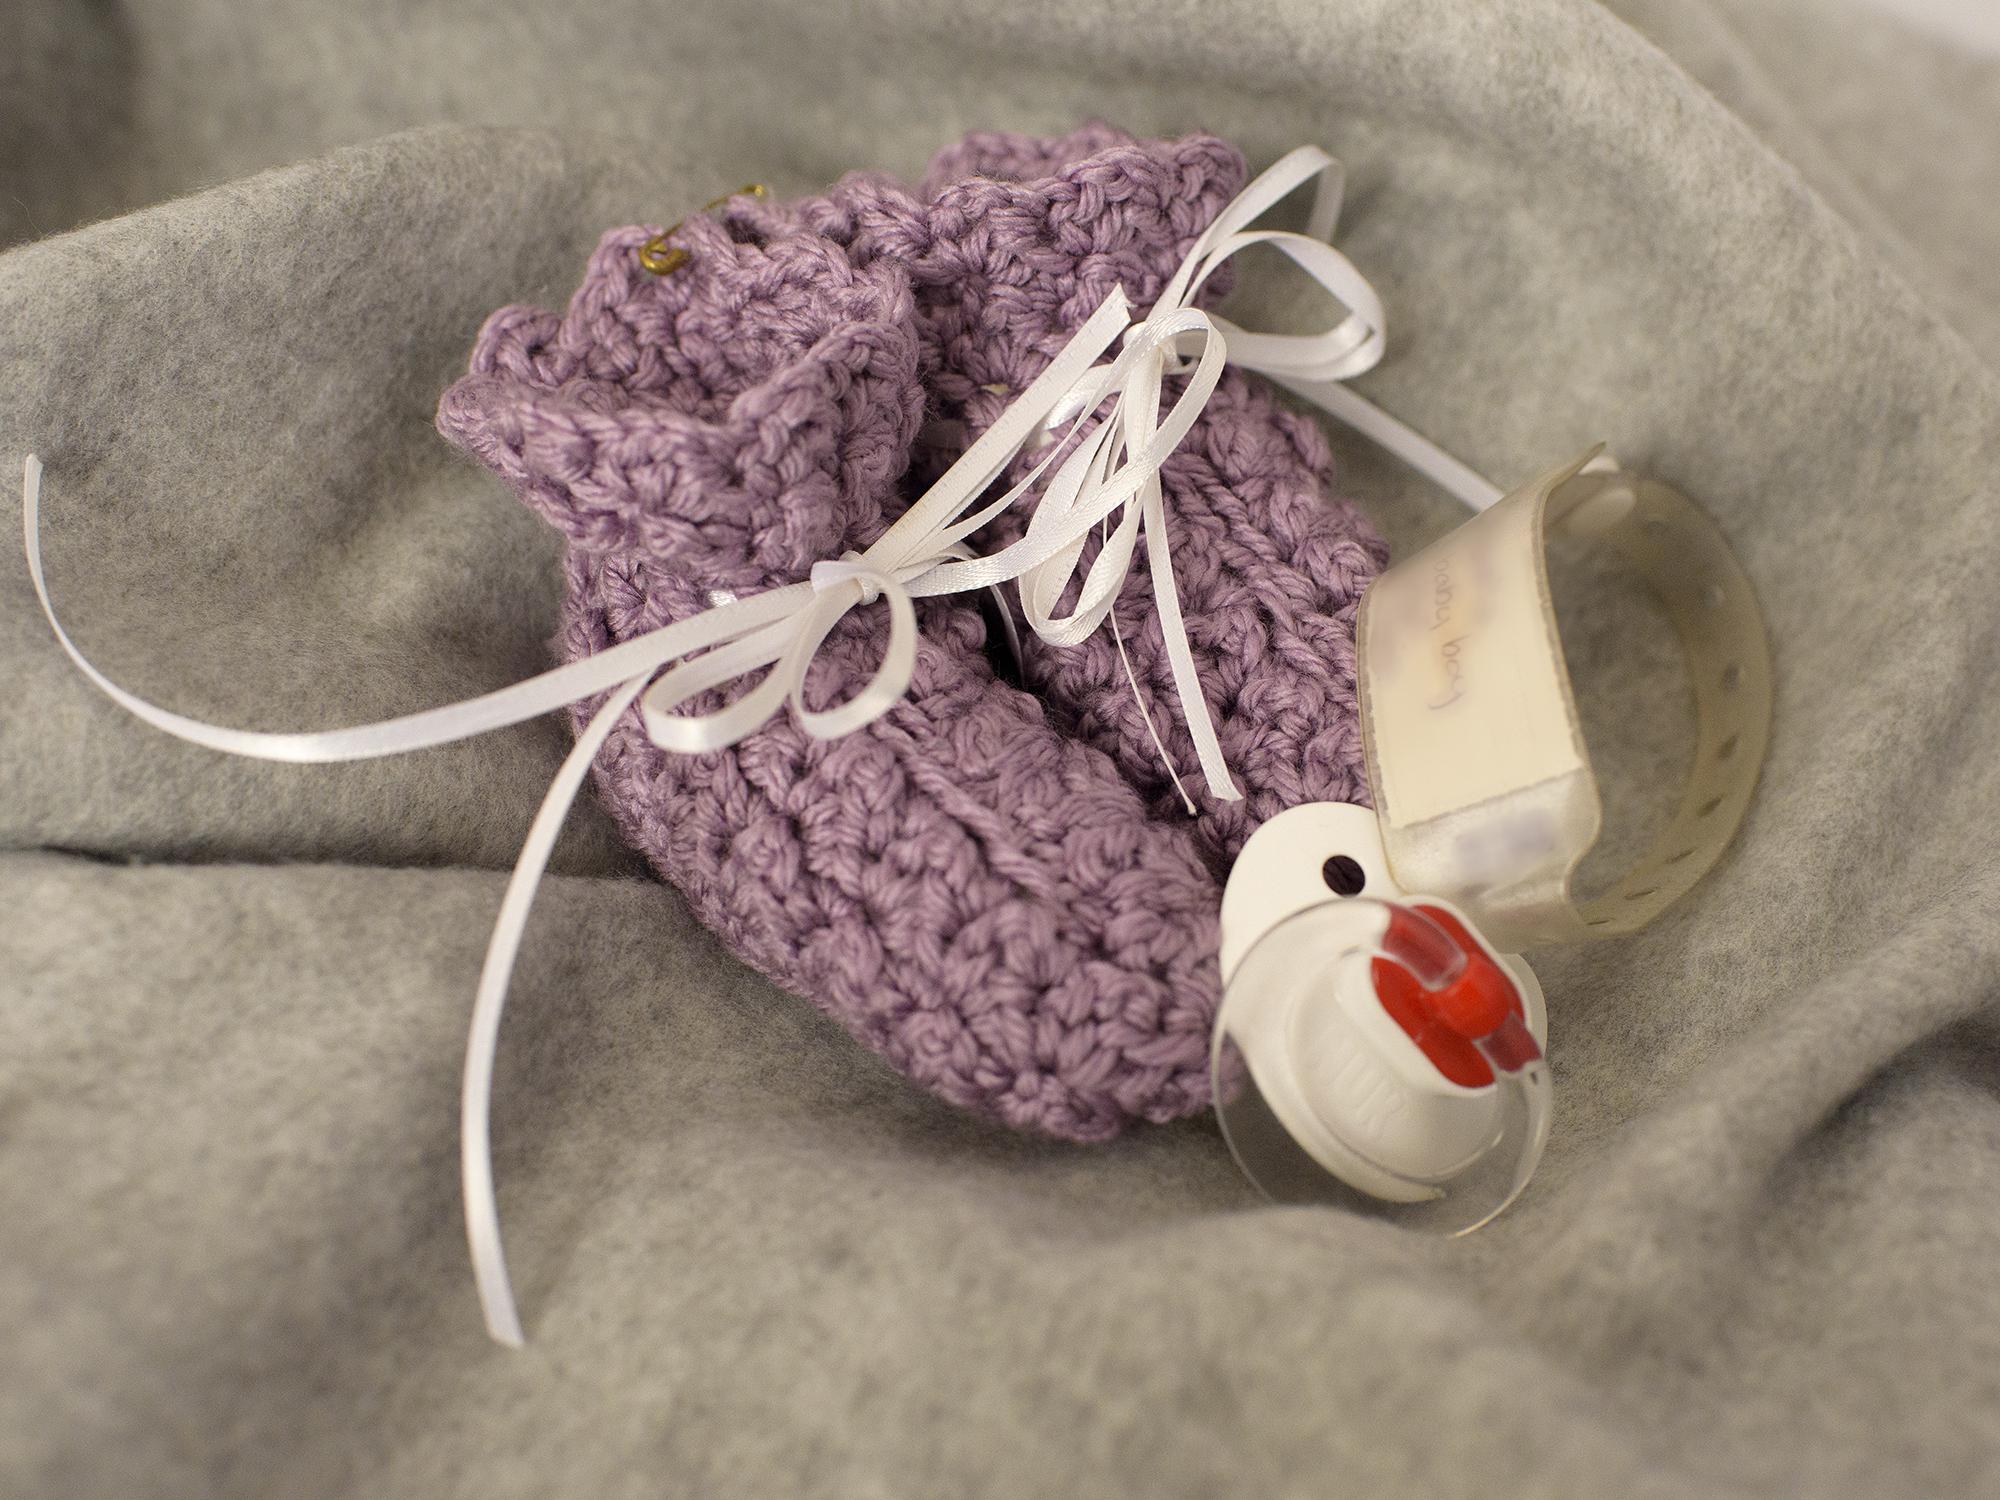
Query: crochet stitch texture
[1011,243]
[1005,903]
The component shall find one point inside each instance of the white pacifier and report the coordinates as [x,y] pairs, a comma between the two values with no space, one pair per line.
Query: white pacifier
[1372,1049]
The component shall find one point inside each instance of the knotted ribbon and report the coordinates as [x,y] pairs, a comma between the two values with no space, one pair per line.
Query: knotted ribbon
[1111,439]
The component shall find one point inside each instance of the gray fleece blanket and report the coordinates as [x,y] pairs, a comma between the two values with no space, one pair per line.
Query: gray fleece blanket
[1751,245]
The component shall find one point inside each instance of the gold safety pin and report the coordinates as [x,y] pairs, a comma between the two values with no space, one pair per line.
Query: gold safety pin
[662,258]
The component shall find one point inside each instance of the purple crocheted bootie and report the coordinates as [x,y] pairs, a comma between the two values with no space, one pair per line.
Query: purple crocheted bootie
[1010,243]
[977,896]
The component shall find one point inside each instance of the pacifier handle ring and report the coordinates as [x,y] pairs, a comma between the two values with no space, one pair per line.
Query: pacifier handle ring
[1331,1088]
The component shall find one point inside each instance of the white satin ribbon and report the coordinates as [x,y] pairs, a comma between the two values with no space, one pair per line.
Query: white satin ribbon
[1109,468]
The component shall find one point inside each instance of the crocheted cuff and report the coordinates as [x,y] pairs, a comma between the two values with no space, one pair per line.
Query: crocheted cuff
[742,417]
[1012,241]
[1027,237]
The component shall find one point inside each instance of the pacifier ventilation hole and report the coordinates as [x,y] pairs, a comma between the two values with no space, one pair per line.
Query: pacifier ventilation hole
[1344,876]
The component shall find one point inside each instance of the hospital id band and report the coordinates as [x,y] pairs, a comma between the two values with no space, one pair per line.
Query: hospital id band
[1482,779]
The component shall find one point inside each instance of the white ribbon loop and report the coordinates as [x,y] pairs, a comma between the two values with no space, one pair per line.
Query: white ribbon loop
[1109,467]
[850,567]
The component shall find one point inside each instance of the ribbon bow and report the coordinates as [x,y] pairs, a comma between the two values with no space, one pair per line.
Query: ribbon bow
[1109,466]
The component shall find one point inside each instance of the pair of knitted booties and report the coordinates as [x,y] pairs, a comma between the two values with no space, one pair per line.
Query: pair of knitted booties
[996,887]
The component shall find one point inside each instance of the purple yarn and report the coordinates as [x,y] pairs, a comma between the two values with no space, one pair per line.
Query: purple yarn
[985,898]
[1011,244]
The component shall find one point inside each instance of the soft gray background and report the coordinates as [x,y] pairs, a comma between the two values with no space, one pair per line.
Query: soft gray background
[1973,24]
[1753,245]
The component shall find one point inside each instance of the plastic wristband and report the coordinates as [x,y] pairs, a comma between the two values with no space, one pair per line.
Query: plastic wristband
[1482,780]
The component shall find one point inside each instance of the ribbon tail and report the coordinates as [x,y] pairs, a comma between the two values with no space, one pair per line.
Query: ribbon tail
[1187,683]
[1146,716]
[482,1209]
[528,699]
[1464,484]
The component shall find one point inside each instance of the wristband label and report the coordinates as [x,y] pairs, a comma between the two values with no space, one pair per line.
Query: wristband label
[1464,677]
